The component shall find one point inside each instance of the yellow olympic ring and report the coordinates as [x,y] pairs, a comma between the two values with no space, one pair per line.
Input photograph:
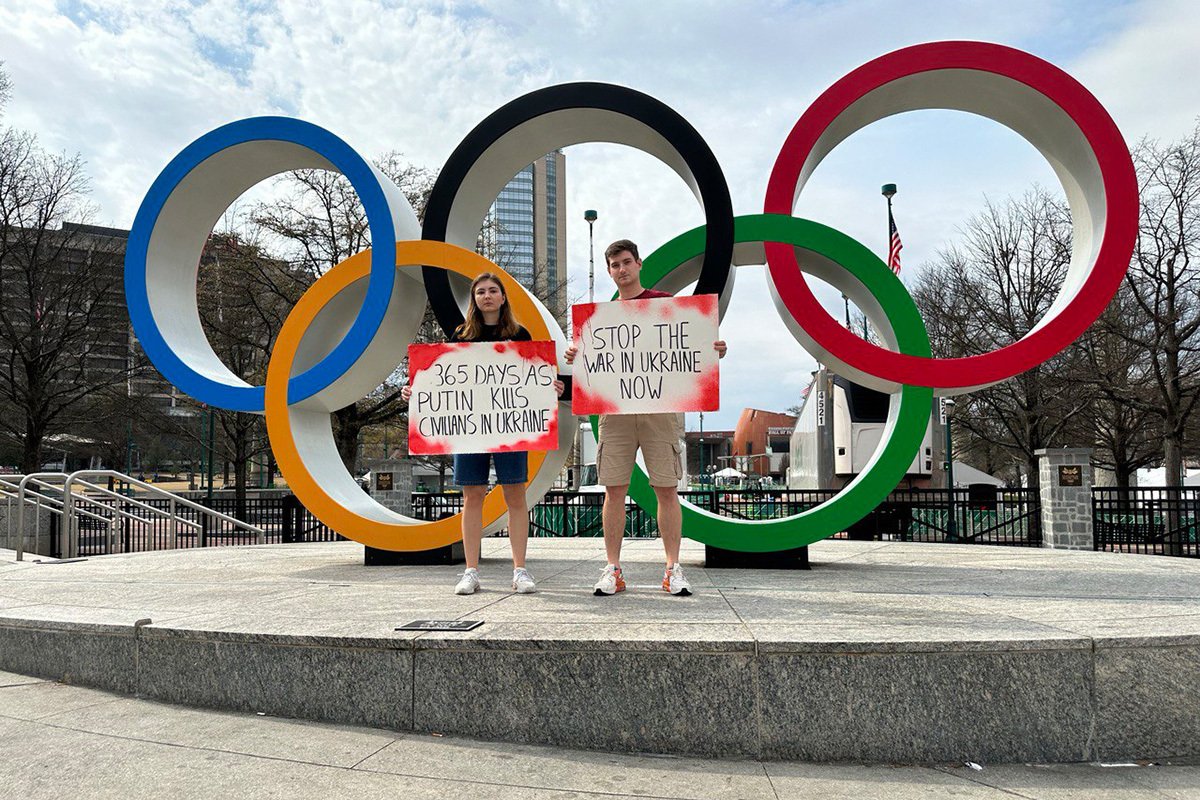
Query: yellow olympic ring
[402,533]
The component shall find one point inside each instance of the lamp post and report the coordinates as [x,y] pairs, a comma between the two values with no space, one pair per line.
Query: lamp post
[212,446]
[590,217]
[952,525]
[888,190]
[128,447]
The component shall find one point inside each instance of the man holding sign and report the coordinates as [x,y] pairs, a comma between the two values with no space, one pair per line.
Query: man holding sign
[643,363]
[488,402]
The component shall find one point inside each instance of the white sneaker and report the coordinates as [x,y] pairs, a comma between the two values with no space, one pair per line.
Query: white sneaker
[674,582]
[468,582]
[523,581]
[611,581]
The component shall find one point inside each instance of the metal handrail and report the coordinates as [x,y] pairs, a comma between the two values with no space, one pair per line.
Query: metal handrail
[104,490]
[72,538]
[36,477]
[10,492]
[69,508]
[39,498]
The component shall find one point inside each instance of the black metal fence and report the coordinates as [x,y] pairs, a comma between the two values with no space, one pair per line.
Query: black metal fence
[1160,520]
[981,515]
[1003,516]
[558,514]
[1006,517]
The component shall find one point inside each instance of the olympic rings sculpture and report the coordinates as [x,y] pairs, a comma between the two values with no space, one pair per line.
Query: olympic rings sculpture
[342,338]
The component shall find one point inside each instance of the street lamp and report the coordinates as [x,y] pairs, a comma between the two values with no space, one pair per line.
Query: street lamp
[590,217]
[952,526]
[888,190]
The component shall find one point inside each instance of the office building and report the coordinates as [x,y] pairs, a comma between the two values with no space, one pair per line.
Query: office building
[528,232]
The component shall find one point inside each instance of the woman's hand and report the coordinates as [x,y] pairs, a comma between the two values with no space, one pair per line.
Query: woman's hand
[569,353]
[406,393]
[559,388]
[720,347]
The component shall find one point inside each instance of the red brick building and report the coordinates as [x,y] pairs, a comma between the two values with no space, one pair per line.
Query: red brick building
[761,442]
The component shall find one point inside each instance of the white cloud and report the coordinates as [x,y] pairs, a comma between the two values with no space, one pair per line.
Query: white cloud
[1145,74]
[129,84]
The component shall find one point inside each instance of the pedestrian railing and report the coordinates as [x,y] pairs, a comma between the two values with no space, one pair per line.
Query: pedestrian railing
[1151,520]
[87,511]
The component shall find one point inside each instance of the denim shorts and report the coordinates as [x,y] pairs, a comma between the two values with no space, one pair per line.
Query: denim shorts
[471,469]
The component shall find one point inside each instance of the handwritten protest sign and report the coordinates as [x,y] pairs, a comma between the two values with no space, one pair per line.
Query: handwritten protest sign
[482,397]
[646,356]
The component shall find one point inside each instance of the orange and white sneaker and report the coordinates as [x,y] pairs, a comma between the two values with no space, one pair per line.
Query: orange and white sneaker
[611,581]
[674,582]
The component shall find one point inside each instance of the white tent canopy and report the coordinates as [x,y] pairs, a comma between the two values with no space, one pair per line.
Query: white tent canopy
[965,475]
[729,472]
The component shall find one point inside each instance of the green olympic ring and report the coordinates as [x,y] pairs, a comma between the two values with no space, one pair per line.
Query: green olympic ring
[907,420]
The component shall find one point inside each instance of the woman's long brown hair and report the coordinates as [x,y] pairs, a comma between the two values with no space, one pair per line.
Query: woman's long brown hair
[472,326]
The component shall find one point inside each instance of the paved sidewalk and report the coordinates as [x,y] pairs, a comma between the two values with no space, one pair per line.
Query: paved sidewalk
[939,652]
[61,741]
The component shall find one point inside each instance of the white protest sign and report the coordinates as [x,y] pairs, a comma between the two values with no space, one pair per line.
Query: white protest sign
[646,356]
[482,397]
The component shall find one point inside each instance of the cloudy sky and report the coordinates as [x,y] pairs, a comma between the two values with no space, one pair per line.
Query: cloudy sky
[129,84]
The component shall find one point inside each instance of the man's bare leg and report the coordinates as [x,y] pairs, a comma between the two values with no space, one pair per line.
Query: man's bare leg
[614,521]
[670,521]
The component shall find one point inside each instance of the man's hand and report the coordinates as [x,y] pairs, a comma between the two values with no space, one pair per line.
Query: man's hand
[559,388]
[720,347]
[406,393]
[569,353]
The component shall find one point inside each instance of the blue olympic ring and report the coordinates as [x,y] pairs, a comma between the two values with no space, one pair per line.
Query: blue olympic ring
[336,153]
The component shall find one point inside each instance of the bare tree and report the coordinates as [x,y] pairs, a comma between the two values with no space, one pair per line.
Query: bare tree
[988,292]
[244,295]
[63,325]
[1163,283]
[321,221]
[5,88]
[1119,422]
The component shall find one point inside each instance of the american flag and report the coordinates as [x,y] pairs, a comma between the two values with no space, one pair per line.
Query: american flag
[894,245]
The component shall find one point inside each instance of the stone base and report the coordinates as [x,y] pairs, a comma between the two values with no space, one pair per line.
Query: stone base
[887,652]
[450,554]
[719,558]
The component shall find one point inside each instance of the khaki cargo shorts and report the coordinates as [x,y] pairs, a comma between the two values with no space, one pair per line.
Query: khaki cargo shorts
[658,436]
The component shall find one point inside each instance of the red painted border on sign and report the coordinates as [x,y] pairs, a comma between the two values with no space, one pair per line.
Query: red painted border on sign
[707,396]
[422,356]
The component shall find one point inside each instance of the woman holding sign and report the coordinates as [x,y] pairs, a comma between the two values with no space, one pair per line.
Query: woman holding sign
[489,318]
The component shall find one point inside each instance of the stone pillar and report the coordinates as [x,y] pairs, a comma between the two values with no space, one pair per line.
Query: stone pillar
[37,528]
[1065,478]
[391,484]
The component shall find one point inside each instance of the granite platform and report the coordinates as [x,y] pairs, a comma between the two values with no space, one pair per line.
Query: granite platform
[883,652]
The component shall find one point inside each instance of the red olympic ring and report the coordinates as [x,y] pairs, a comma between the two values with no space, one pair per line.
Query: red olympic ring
[898,76]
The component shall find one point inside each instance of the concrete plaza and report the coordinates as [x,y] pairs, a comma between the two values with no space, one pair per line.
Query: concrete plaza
[882,653]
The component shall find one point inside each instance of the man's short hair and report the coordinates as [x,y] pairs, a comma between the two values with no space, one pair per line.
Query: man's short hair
[620,246]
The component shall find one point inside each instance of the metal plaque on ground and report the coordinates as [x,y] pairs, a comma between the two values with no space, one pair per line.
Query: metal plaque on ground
[441,625]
